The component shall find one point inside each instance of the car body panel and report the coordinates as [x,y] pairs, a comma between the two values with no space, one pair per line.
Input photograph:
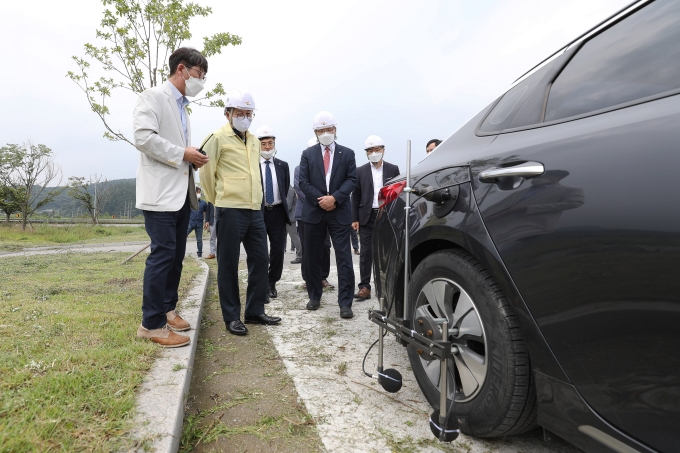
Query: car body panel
[596,255]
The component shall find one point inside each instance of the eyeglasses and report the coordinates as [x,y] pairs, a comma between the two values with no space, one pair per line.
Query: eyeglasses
[201,74]
[241,116]
[377,149]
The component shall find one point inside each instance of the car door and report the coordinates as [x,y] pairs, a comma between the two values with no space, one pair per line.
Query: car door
[593,243]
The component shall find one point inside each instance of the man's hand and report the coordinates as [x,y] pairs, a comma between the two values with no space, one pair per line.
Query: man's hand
[192,156]
[327,202]
[207,226]
[355,225]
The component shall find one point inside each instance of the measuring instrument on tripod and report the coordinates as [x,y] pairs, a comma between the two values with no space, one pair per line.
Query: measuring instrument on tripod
[429,336]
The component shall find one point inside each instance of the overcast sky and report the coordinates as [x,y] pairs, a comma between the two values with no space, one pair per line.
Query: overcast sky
[400,69]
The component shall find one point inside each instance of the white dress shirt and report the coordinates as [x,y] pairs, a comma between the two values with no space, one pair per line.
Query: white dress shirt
[263,166]
[330,165]
[377,182]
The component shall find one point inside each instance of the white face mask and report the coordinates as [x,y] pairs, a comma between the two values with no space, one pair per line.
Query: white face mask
[375,157]
[268,154]
[193,86]
[326,138]
[198,195]
[241,125]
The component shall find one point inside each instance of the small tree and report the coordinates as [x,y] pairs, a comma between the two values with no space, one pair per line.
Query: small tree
[93,202]
[10,200]
[138,36]
[29,169]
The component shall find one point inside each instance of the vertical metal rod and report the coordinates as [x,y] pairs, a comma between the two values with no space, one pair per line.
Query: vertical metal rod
[380,339]
[407,211]
[442,378]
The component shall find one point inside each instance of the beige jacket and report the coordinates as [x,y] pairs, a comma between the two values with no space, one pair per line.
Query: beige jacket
[163,177]
[231,178]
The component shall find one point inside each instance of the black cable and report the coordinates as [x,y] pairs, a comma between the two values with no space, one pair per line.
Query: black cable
[363,362]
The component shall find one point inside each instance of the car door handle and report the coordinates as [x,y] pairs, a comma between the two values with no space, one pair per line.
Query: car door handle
[525,170]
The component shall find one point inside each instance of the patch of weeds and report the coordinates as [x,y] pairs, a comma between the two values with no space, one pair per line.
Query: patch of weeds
[329,319]
[178,367]
[195,431]
[208,348]
[299,429]
[341,368]
[409,445]
[328,333]
[408,423]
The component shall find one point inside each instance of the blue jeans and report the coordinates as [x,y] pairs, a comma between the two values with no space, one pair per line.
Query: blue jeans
[236,226]
[198,227]
[167,231]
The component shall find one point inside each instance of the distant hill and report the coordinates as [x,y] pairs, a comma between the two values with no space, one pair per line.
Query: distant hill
[123,193]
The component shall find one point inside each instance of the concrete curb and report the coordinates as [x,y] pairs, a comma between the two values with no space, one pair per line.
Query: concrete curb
[160,402]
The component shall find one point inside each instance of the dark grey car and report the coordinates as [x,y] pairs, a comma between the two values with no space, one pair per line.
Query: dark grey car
[556,257]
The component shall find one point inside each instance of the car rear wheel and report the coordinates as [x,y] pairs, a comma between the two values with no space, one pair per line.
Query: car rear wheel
[494,385]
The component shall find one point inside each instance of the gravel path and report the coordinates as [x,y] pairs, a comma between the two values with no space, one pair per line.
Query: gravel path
[323,354]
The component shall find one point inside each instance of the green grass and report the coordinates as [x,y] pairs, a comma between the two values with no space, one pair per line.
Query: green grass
[70,360]
[13,238]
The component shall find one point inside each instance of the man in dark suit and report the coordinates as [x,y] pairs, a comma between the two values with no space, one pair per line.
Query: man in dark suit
[275,182]
[372,177]
[326,257]
[328,176]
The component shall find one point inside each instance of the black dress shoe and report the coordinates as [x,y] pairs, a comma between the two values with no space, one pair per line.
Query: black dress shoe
[296,261]
[313,304]
[263,319]
[273,293]
[346,312]
[237,327]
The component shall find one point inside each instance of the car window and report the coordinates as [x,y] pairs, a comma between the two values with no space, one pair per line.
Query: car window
[506,109]
[633,59]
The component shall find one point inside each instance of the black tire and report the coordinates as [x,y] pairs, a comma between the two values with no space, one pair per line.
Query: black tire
[505,403]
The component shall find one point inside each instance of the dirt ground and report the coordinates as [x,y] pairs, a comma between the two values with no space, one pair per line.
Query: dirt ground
[241,398]
[304,389]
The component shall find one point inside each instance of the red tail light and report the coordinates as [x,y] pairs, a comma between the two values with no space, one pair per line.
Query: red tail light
[390,193]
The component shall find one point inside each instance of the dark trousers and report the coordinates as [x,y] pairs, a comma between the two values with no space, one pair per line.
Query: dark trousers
[315,234]
[275,224]
[366,257]
[325,259]
[236,226]
[355,239]
[198,227]
[168,234]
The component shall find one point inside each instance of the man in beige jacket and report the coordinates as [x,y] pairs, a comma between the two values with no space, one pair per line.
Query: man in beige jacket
[166,191]
[232,182]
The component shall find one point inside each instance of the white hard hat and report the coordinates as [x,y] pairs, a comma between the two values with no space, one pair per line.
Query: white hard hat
[312,141]
[240,99]
[265,131]
[373,141]
[323,120]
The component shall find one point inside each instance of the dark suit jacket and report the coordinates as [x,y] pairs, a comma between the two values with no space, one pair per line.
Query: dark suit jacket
[362,198]
[313,183]
[283,181]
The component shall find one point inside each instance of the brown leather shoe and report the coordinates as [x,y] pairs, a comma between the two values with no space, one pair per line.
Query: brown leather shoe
[163,337]
[210,257]
[176,322]
[363,294]
[325,284]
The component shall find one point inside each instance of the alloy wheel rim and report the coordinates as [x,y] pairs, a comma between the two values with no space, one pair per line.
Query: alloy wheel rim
[441,297]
